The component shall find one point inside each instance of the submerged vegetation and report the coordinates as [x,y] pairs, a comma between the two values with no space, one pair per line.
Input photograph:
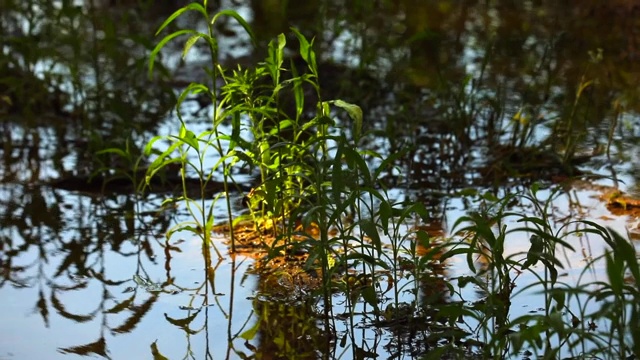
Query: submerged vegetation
[330,163]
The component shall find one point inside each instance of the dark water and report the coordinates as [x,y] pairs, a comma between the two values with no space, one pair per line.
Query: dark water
[88,270]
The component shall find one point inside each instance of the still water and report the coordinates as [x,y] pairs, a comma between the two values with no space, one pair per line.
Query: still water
[89,271]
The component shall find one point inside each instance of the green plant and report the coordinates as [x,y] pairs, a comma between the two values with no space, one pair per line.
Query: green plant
[616,298]
[187,142]
[568,325]
[311,173]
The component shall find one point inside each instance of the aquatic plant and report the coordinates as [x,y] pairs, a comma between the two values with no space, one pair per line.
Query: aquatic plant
[318,194]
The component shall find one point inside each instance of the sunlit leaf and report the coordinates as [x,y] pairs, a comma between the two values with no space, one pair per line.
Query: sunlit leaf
[192,6]
[355,113]
[162,43]
[238,18]
[583,86]
[190,139]
[330,261]
[190,42]
[298,92]
[304,45]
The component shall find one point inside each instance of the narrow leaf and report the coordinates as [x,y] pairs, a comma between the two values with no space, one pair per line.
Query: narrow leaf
[239,19]
[355,113]
[369,228]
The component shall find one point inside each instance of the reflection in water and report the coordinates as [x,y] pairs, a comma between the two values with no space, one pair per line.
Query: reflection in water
[459,88]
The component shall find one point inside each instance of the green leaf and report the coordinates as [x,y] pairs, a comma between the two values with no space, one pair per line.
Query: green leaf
[535,187]
[298,92]
[239,19]
[369,295]
[386,163]
[148,149]
[386,212]
[615,274]
[190,42]
[338,181]
[356,162]
[490,197]
[355,113]
[158,164]
[190,139]
[304,44]
[559,298]
[162,43]
[416,208]
[626,253]
[535,251]
[115,151]
[192,6]
[468,192]
[370,229]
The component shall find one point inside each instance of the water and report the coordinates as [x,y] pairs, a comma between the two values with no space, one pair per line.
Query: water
[92,274]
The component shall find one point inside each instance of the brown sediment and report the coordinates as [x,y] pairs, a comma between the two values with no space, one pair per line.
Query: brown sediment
[282,260]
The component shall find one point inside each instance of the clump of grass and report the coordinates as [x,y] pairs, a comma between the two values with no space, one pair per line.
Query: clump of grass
[566,326]
[312,174]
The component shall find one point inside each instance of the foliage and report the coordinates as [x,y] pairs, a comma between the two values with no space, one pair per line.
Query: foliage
[78,70]
[313,174]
